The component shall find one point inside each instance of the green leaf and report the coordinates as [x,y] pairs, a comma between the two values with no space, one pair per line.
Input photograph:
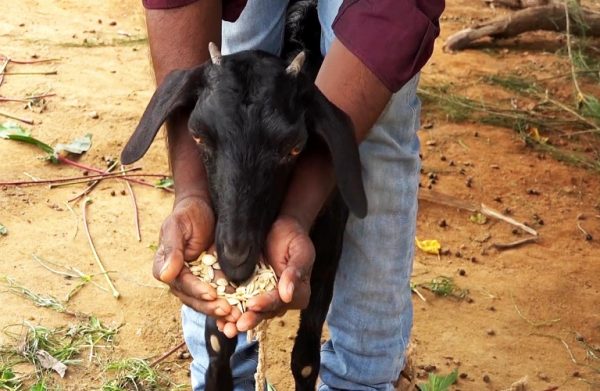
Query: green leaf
[3,230]
[39,386]
[165,183]
[11,131]
[439,383]
[77,146]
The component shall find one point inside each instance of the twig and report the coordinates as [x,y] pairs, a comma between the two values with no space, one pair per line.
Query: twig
[76,221]
[587,235]
[88,189]
[418,293]
[562,341]
[34,61]
[136,216]
[26,99]
[30,73]
[73,163]
[166,354]
[12,116]
[516,243]
[77,179]
[115,293]
[532,323]
[3,68]
[495,214]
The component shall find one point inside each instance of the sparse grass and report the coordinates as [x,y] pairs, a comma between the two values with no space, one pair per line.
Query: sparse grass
[40,300]
[512,83]
[135,374]
[9,381]
[64,344]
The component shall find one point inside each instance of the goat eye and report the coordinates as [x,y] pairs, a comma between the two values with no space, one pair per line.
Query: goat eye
[199,140]
[296,150]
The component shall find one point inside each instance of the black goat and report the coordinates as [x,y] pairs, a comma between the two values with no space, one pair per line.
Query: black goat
[252,114]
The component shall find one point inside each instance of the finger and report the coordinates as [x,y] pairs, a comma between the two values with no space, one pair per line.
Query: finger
[192,286]
[168,260]
[266,302]
[230,330]
[215,308]
[251,319]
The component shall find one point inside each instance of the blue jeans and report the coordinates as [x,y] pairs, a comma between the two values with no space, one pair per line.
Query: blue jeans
[370,317]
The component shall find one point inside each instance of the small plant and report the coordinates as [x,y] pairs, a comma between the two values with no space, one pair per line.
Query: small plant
[439,383]
[445,287]
[40,300]
[8,380]
[134,374]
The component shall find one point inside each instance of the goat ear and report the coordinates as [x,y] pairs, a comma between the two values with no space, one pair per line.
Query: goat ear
[178,90]
[336,129]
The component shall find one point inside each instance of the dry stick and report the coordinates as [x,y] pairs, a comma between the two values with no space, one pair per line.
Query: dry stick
[3,68]
[29,73]
[587,235]
[447,200]
[73,163]
[135,209]
[167,354]
[76,179]
[580,96]
[26,99]
[115,293]
[88,189]
[34,61]
[76,221]
[12,116]
[561,340]
[516,243]
[76,274]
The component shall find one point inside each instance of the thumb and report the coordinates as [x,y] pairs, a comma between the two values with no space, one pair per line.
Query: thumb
[294,283]
[168,260]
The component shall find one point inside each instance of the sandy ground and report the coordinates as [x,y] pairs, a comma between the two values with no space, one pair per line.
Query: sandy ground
[494,338]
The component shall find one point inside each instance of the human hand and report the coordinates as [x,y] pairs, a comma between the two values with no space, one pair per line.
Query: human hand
[186,232]
[291,253]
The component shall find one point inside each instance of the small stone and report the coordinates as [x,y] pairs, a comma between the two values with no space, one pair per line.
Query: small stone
[463,375]
[458,254]
[93,115]
[430,368]
[442,223]
[469,182]
[533,192]
[576,374]
[490,332]
[451,164]
[112,23]
[543,376]
[473,260]
[443,158]
[469,300]
[431,143]
[123,192]
[492,308]
[486,379]
[113,193]
[498,199]
[462,272]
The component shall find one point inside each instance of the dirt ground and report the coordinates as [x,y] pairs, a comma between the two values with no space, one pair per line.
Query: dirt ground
[498,335]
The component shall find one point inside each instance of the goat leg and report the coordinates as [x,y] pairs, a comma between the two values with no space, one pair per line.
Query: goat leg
[220,349]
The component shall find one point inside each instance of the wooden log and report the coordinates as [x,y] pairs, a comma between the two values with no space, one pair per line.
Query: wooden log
[548,18]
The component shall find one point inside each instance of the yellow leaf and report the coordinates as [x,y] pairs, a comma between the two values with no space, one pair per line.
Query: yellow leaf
[430,246]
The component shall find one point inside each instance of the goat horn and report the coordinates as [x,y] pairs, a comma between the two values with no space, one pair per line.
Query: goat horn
[215,53]
[296,64]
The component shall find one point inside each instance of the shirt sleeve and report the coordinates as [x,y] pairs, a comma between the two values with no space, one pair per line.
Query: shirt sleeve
[231,8]
[393,38]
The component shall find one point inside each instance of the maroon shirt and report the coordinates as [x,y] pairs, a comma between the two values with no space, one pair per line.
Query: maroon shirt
[393,38]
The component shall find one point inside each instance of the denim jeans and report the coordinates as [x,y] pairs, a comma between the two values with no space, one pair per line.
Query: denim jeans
[370,317]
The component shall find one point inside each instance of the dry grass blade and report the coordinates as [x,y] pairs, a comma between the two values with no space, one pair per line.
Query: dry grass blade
[27,121]
[136,216]
[114,291]
[532,323]
[40,300]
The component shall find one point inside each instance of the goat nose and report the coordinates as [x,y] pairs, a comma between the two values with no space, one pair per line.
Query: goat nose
[236,256]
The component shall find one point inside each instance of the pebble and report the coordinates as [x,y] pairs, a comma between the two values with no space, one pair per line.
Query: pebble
[490,332]
[543,376]
[486,379]
[462,272]
[463,375]
[93,115]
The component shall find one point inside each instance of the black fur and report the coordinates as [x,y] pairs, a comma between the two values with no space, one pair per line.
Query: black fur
[250,113]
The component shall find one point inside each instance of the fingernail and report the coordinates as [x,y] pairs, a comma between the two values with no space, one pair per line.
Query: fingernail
[207,296]
[220,311]
[251,303]
[164,269]
[290,289]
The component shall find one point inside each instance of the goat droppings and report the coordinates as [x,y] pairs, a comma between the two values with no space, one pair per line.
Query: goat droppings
[207,269]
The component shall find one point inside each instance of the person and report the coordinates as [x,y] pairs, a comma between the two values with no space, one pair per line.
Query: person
[373,52]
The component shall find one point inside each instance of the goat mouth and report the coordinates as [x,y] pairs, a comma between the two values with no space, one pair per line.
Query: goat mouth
[238,274]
